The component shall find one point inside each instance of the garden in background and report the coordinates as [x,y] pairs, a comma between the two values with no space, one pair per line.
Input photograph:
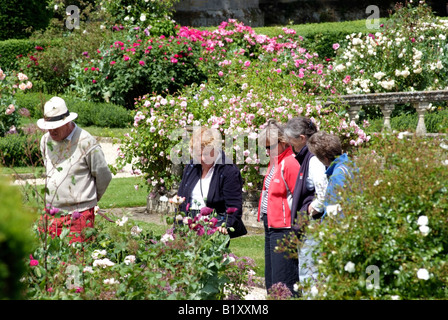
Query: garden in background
[129,68]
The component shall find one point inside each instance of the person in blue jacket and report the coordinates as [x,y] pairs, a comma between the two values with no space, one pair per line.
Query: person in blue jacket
[212,181]
[327,148]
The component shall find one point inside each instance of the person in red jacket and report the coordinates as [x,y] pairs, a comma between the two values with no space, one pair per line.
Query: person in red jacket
[275,205]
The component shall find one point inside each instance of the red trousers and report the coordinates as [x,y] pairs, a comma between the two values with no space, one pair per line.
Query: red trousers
[55,225]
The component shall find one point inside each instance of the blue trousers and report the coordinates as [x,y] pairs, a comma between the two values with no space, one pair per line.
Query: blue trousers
[278,267]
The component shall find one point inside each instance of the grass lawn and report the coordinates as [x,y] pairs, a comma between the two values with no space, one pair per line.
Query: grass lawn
[250,246]
[121,193]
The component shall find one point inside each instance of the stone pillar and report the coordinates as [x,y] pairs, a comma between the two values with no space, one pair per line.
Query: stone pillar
[421,108]
[387,111]
[353,112]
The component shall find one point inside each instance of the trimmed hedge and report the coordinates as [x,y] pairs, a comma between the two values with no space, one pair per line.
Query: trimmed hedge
[435,122]
[320,37]
[11,49]
[20,150]
[89,113]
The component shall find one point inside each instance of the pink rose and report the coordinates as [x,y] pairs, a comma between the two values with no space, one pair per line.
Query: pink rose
[10,109]
[33,262]
[231,210]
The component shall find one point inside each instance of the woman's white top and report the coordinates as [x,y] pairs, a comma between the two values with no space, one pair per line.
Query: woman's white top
[317,179]
[200,191]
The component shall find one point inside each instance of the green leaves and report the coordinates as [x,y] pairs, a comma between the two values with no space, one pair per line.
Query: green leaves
[384,224]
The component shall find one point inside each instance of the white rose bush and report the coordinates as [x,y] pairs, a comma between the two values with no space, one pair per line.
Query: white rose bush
[394,221]
[408,53]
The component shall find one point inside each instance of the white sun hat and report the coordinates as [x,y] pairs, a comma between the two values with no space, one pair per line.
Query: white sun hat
[56,114]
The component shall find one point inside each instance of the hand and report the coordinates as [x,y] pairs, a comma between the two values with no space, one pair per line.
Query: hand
[223,230]
[311,211]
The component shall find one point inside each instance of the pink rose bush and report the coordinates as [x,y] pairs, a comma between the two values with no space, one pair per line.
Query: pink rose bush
[10,84]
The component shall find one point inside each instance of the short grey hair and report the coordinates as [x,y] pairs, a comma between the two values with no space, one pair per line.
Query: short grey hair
[298,126]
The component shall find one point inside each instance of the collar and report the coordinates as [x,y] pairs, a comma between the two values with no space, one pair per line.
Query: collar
[287,152]
[300,156]
[70,136]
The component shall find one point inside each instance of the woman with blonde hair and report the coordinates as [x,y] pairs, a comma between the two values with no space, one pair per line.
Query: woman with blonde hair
[275,207]
[212,181]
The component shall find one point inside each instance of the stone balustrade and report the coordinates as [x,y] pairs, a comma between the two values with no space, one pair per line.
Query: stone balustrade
[387,101]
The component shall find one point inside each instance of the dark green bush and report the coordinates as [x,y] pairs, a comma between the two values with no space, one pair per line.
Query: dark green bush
[49,64]
[19,18]
[33,101]
[11,49]
[385,207]
[16,241]
[89,113]
[435,122]
[20,150]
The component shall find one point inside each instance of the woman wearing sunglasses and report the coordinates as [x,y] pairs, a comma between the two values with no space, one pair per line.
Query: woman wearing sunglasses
[274,205]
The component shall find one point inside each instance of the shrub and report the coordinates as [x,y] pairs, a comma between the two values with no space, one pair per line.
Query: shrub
[16,241]
[138,64]
[155,15]
[9,116]
[394,223]
[435,122]
[89,113]
[127,262]
[407,55]
[19,150]
[17,19]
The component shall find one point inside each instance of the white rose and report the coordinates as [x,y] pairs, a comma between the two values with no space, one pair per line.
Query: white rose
[424,230]
[423,274]
[379,75]
[422,221]
[350,267]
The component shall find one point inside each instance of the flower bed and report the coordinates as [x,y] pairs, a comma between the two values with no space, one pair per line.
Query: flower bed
[128,262]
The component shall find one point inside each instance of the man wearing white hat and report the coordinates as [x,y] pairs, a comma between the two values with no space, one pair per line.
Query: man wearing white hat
[76,170]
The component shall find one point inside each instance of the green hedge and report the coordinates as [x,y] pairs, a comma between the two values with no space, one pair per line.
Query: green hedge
[11,49]
[19,18]
[89,113]
[320,37]
[16,241]
[435,122]
[20,150]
